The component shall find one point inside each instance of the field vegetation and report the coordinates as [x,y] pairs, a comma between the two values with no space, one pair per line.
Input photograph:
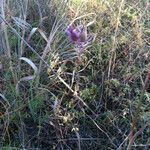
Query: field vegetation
[74,74]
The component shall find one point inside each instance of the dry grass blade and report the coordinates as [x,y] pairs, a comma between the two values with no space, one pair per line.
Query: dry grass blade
[6,38]
[43,35]
[84,16]
[27,78]
[32,32]
[40,31]
[4,98]
[30,63]
[5,114]
[21,23]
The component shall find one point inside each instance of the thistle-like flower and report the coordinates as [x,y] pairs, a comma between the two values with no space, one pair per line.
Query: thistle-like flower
[78,36]
[72,34]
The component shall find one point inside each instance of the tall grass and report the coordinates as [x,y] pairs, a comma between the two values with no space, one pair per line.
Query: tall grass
[52,97]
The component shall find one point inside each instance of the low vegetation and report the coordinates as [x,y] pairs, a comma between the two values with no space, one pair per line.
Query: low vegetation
[74,74]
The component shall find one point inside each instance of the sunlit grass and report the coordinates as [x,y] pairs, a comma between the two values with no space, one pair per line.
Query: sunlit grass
[57,92]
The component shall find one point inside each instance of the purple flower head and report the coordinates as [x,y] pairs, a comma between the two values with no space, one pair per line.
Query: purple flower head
[72,33]
[78,36]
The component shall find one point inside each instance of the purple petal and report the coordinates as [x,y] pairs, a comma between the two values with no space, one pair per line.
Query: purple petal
[72,33]
[69,29]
